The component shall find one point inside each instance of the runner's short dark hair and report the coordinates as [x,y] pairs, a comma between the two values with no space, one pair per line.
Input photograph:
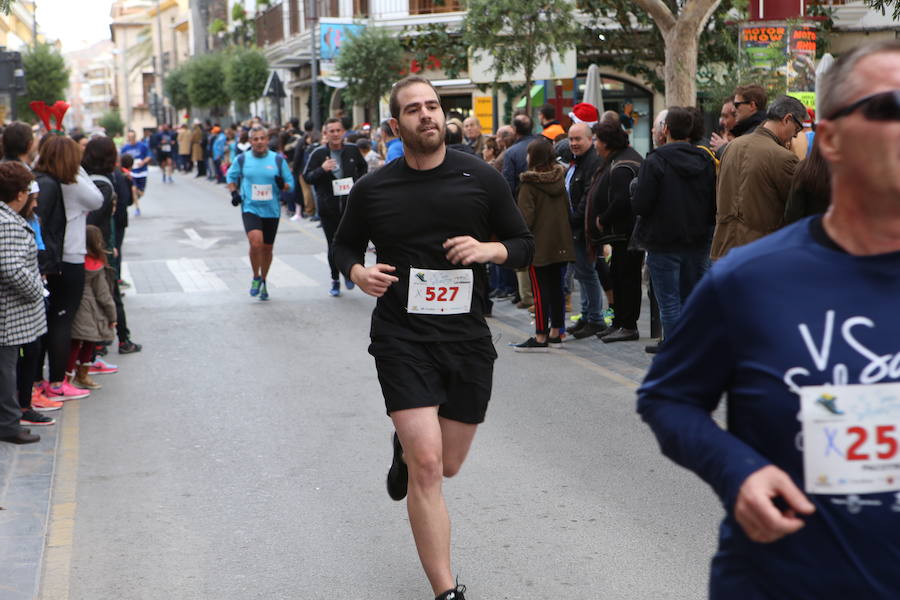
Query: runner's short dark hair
[548,111]
[405,82]
[331,120]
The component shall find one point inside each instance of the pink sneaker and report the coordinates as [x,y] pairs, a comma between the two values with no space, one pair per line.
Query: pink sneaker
[64,392]
[100,367]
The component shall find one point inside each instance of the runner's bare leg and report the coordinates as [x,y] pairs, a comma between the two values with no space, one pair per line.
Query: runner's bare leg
[265,259]
[254,236]
[422,439]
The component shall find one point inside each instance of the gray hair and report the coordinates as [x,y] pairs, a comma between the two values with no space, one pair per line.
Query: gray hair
[256,129]
[840,86]
[783,106]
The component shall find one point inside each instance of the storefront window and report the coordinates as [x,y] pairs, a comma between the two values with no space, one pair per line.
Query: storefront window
[617,95]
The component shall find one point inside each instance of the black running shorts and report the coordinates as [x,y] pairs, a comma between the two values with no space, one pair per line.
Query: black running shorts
[456,376]
[269,227]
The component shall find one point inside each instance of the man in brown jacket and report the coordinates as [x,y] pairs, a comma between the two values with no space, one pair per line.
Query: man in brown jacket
[184,149]
[755,178]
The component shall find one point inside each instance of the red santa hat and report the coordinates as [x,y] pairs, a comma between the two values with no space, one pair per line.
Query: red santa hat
[584,113]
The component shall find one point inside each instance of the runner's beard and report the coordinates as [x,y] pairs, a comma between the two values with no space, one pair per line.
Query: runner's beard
[420,144]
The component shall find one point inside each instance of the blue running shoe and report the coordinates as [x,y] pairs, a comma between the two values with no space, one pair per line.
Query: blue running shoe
[254,286]
[263,291]
[349,284]
[335,290]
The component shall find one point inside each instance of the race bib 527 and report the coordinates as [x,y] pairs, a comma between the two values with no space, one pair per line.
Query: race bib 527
[440,292]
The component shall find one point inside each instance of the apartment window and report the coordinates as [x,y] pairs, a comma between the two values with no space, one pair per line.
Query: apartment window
[148,81]
[360,8]
[424,7]
[294,16]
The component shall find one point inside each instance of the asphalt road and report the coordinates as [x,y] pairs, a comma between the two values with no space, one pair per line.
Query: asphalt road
[242,454]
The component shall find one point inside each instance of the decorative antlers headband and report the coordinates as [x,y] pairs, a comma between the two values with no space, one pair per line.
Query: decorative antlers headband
[44,112]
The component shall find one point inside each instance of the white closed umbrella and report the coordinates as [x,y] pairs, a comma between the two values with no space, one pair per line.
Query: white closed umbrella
[593,88]
[824,65]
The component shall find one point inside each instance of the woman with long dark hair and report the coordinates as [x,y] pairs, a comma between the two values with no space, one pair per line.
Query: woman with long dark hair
[544,203]
[100,161]
[66,197]
[611,221]
[810,189]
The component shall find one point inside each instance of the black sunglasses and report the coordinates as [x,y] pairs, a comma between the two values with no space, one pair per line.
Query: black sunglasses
[884,106]
[736,104]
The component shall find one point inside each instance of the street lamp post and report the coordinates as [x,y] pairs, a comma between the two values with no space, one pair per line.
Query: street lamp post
[160,116]
[313,69]
[12,77]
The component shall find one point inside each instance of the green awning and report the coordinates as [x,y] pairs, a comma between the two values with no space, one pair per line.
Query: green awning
[537,96]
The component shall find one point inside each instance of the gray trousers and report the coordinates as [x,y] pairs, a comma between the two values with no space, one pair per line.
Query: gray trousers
[10,413]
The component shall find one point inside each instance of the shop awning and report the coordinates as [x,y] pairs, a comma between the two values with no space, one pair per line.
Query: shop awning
[537,96]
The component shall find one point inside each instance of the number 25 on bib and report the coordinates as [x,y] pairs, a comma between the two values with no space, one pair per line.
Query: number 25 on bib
[447,292]
[851,438]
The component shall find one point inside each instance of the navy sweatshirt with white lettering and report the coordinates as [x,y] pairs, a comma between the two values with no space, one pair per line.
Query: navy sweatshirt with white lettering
[408,214]
[788,311]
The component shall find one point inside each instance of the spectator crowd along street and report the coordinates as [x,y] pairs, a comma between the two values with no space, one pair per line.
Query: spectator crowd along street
[743,281]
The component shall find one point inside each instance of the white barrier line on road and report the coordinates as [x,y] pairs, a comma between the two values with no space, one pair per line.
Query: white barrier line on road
[322,257]
[282,275]
[193,275]
[126,276]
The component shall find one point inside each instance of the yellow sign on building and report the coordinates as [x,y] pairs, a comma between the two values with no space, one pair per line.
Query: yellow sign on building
[484,110]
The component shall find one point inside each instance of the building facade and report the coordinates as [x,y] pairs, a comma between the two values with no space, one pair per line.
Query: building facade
[150,38]
[92,78]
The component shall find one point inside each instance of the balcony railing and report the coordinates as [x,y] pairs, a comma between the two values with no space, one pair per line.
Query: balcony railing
[270,26]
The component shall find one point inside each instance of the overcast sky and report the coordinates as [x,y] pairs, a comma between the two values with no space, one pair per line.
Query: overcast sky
[77,23]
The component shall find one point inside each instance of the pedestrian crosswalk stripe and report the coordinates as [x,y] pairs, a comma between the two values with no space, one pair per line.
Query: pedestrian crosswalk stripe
[215,274]
[126,276]
[194,276]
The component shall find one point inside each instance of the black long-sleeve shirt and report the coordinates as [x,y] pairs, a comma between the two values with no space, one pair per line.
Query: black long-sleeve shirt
[408,214]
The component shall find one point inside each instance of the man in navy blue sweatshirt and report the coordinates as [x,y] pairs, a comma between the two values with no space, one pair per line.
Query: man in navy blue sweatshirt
[800,331]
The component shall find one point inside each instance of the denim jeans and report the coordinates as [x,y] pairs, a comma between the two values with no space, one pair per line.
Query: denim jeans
[674,275]
[589,283]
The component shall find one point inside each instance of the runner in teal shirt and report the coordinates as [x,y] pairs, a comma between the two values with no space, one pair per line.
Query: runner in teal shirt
[256,180]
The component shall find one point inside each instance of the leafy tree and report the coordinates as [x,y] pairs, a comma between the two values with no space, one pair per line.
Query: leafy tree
[635,46]
[369,62]
[112,122]
[520,34]
[884,5]
[246,71]
[218,26]
[206,81]
[5,6]
[680,25]
[175,86]
[46,78]
[434,45]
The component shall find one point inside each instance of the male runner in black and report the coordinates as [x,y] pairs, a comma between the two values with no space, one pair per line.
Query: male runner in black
[430,215]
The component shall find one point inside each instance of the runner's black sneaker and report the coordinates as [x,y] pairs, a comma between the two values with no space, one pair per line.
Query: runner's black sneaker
[457,593]
[532,345]
[398,474]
